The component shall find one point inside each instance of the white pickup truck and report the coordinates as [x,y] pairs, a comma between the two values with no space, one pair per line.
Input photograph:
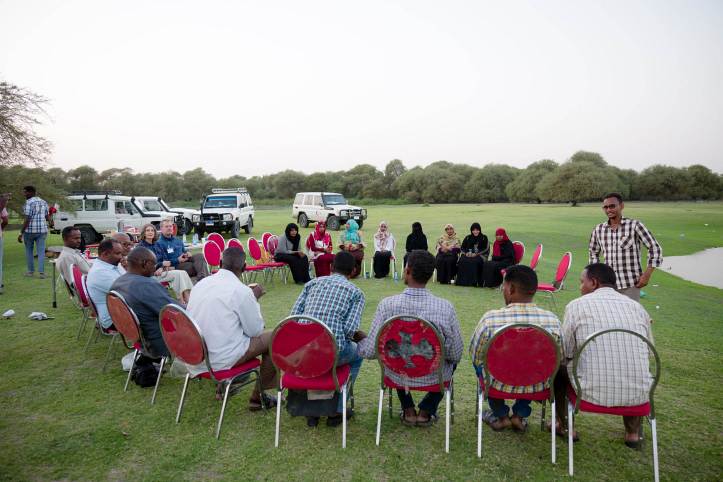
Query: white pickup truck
[156,205]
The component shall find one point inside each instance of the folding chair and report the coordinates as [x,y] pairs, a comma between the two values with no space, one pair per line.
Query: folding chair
[562,268]
[127,324]
[576,395]
[101,331]
[519,248]
[218,239]
[83,298]
[519,354]
[272,243]
[185,342]
[411,348]
[265,240]
[256,254]
[304,351]
[536,257]
[234,243]
[212,255]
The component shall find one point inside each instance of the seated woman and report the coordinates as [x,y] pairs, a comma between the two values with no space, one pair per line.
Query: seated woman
[475,249]
[384,244]
[177,279]
[416,240]
[351,242]
[318,244]
[503,255]
[447,250]
[288,251]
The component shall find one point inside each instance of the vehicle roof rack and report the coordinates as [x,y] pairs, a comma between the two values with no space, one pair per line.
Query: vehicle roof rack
[106,193]
[219,190]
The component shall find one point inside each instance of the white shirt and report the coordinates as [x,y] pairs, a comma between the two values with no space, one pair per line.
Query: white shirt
[387,245]
[68,257]
[228,315]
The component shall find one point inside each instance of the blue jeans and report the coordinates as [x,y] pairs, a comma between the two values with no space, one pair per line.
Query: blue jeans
[1,260]
[521,408]
[349,356]
[39,240]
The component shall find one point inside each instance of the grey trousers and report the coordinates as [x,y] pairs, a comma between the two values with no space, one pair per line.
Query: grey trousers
[633,293]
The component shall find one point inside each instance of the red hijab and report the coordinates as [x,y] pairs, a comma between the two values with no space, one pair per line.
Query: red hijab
[497,246]
[317,236]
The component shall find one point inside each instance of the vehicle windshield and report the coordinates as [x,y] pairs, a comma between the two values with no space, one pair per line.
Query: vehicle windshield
[165,206]
[334,199]
[152,205]
[220,202]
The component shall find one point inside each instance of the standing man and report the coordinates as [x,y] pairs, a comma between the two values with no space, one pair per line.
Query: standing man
[3,222]
[619,241]
[173,253]
[34,230]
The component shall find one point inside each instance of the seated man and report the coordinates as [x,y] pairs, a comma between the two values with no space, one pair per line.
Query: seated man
[518,288]
[126,244]
[600,308]
[71,255]
[145,296]
[338,303]
[416,300]
[173,253]
[229,316]
[101,276]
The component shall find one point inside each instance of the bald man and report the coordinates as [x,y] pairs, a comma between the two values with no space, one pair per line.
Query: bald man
[125,241]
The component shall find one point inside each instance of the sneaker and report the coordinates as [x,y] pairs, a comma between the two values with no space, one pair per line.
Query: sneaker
[336,420]
[41,275]
[312,422]
[29,274]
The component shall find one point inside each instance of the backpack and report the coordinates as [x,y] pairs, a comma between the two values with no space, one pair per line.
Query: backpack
[145,375]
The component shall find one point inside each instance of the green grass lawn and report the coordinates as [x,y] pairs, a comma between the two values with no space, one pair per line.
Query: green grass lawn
[61,418]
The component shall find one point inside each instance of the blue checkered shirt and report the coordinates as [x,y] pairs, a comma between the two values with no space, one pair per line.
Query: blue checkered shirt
[334,301]
[36,211]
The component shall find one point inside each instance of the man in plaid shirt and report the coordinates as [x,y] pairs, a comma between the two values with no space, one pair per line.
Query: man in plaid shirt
[619,241]
[34,230]
[519,288]
[338,303]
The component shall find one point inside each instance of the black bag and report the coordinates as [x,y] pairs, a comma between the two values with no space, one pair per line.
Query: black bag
[145,375]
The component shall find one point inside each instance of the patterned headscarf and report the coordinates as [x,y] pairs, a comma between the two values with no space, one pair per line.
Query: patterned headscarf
[449,240]
[317,235]
[382,236]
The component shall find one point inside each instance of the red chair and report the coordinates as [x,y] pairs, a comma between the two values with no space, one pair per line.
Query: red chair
[519,248]
[94,314]
[271,245]
[83,298]
[218,239]
[265,240]
[185,342]
[127,324]
[536,257]
[562,268]
[234,243]
[256,254]
[212,255]
[578,403]
[304,351]
[519,354]
[426,344]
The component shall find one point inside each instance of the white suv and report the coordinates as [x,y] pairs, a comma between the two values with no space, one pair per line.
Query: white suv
[310,207]
[158,205]
[226,210]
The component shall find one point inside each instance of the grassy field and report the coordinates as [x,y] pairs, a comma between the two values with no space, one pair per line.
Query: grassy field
[61,418]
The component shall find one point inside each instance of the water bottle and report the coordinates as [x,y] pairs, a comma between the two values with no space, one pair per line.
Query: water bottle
[396,276]
[195,239]
[184,238]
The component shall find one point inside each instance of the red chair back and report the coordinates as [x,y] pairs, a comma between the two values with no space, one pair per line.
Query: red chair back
[410,347]
[124,319]
[80,286]
[562,268]
[182,336]
[265,240]
[536,256]
[89,299]
[235,243]
[212,253]
[519,249]
[520,355]
[218,239]
[254,249]
[272,244]
[304,347]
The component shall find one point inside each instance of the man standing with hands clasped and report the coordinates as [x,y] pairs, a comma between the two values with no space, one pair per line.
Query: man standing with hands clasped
[619,241]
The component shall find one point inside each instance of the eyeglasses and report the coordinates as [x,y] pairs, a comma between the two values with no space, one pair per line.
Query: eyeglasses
[609,206]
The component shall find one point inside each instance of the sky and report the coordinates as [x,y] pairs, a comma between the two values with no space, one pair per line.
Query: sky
[252,88]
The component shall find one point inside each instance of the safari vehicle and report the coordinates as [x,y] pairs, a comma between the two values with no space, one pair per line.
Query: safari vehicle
[225,210]
[310,207]
[97,212]
[157,205]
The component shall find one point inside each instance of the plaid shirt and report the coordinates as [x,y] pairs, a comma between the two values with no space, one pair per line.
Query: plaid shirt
[419,302]
[493,320]
[36,210]
[336,302]
[614,370]
[621,249]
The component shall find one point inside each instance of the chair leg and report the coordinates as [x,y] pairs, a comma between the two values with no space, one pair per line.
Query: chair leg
[451,387]
[479,423]
[183,397]
[654,430]
[390,404]
[130,372]
[83,321]
[158,380]
[343,415]
[110,351]
[552,429]
[542,415]
[448,410]
[570,428]
[278,417]
[87,344]
[223,407]
[379,414]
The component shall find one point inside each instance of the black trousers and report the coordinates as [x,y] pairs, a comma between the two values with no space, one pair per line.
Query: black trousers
[382,260]
[299,266]
[446,267]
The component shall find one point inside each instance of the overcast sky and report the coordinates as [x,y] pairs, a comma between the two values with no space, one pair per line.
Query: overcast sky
[241,87]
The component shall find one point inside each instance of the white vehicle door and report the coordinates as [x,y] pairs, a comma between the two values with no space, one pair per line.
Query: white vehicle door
[126,212]
[315,209]
[97,214]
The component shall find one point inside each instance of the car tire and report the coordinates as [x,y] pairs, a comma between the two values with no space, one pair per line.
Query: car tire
[236,229]
[187,226]
[333,223]
[199,232]
[360,223]
[249,225]
[303,220]
[89,235]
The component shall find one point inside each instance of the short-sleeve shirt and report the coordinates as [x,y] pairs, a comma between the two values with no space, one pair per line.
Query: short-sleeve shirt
[36,211]
[3,215]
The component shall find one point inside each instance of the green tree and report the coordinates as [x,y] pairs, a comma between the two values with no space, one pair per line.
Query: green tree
[488,184]
[591,157]
[197,182]
[704,183]
[579,181]
[20,114]
[524,187]
[288,183]
[663,183]
[83,178]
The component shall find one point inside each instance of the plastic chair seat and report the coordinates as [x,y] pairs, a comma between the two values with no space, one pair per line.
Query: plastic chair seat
[254,267]
[324,382]
[232,372]
[633,411]
[428,388]
[545,287]
[273,264]
[494,393]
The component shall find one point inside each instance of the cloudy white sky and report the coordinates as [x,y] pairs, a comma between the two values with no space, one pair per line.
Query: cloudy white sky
[250,87]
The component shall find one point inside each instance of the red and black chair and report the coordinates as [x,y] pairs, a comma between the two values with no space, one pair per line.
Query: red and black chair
[536,257]
[218,239]
[519,354]
[304,351]
[256,254]
[111,332]
[265,240]
[518,247]
[557,284]
[185,342]
[576,395]
[83,299]
[212,255]
[412,348]
[234,243]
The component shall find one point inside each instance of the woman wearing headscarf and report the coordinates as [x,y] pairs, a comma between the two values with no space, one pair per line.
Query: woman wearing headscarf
[475,249]
[416,240]
[351,242]
[503,255]
[319,246]
[289,252]
[384,244]
[177,279]
[448,247]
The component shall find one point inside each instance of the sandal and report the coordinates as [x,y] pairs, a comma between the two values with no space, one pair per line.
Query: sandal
[519,424]
[268,402]
[426,422]
[408,417]
[560,432]
[496,424]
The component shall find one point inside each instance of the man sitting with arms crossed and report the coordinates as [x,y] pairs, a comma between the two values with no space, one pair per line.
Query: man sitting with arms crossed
[614,370]
[416,300]
[338,303]
[71,255]
[101,276]
[174,253]
[229,316]
[519,288]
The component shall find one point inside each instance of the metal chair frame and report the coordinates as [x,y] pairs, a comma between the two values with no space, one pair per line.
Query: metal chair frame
[101,330]
[84,307]
[551,294]
[536,257]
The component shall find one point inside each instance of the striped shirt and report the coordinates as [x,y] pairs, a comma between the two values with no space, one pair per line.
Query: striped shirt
[621,249]
[440,312]
[36,211]
[336,302]
[614,370]
[493,320]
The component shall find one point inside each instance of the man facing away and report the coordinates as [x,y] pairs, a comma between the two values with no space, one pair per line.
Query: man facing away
[618,240]
[34,230]
[613,371]
[71,255]
[338,303]
[174,253]
[416,300]
[101,277]
[229,316]
[519,288]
